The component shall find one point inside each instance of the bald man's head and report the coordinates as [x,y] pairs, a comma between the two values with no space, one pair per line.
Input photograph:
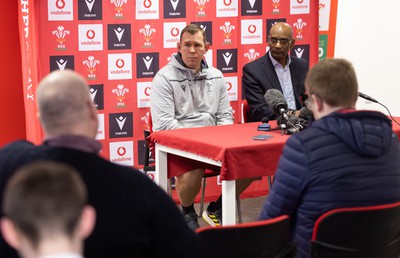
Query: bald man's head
[64,102]
[280,41]
[282,28]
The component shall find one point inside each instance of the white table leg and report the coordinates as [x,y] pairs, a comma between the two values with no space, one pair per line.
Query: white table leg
[228,202]
[161,175]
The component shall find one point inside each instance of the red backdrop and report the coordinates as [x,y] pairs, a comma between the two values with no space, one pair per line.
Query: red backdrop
[119,45]
[12,113]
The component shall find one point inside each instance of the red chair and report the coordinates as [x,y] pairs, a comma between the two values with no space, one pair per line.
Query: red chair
[245,112]
[367,232]
[267,238]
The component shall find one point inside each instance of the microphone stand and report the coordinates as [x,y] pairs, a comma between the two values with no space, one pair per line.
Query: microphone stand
[282,125]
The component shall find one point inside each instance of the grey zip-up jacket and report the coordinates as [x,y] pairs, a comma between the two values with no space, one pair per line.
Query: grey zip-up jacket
[181,99]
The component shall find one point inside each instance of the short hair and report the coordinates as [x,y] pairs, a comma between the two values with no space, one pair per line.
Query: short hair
[334,81]
[43,198]
[193,29]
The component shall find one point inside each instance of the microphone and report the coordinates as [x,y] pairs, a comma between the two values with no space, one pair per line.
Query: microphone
[364,96]
[264,126]
[306,114]
[264,119]
[276,102]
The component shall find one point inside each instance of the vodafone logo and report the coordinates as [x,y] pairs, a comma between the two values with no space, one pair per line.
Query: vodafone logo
[145,9]
[231,88]
[174,31]
[90,37]
[147,3]
[120,66]
[300,7]
[121,151]
[90,34]
[251,31]
[227,2]
[143,94]
[228,86]
[60,4]
[252,28]
[171,33]
[58,10]
[147,91]
[120,63]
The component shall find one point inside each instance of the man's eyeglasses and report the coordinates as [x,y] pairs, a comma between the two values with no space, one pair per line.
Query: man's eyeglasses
[307,102]
[284,42]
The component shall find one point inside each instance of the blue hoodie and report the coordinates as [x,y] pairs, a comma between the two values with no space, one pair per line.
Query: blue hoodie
[342,160]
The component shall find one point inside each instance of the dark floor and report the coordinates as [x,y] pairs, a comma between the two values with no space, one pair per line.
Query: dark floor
[250,208]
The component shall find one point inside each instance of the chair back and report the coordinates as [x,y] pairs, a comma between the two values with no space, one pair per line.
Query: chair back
[245,112]
[267,238]
[367,232]
[149,147]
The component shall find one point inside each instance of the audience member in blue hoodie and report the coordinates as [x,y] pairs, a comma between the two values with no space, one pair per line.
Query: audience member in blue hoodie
[346,158]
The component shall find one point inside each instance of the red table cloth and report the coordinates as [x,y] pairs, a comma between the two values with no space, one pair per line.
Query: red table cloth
[233,145]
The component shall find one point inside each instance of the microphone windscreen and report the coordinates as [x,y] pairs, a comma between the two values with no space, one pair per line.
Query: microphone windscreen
[264,119]
[275,100]
[293,119]
[306,114]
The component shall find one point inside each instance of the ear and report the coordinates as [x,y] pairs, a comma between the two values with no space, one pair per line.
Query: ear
[292,43]
[318,103]
[87,221]
[10,233]
[178,45]
[92,109]
[207,46]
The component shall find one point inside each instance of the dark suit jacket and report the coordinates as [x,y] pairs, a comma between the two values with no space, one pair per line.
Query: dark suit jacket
[135,217]
[260,76]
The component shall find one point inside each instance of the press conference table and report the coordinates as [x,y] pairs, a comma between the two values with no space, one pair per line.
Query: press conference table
[230,148]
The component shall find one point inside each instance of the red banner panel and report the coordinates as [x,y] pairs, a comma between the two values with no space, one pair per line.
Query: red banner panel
[119,45]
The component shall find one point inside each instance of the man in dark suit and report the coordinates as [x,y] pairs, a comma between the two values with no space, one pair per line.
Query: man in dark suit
[275,70]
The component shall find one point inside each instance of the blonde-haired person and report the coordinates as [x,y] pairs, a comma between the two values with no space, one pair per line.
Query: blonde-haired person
[46,211]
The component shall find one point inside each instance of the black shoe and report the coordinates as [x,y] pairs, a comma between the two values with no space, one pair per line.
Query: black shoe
[191,220]
[213,216]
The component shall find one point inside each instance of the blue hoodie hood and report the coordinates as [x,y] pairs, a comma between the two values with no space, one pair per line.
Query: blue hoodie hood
[368,133]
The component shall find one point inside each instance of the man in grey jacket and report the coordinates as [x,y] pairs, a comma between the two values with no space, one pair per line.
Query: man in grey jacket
[189,93]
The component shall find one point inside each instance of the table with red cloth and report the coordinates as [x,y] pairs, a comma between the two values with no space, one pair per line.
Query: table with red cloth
[230,148]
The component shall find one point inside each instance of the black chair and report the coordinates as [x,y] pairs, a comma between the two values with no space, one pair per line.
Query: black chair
[367,232]
[261,239]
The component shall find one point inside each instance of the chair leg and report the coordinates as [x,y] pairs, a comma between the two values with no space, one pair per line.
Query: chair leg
[203,191]
[239,210]
[270,180]
[169,187]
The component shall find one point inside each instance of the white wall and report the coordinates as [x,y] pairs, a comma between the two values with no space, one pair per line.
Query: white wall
[368,35]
